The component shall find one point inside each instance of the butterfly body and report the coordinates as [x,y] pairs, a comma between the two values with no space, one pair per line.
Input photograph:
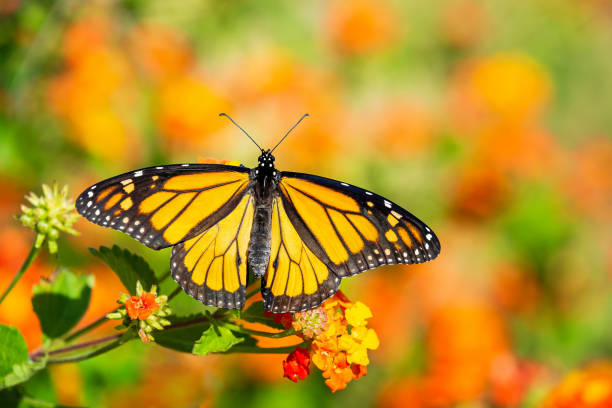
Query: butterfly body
[266,180]
[300,233]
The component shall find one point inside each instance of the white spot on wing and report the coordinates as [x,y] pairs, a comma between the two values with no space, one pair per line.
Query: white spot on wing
[185,165]
[138,173]
[428,237]
[368,193]
[89,203]
[89,194]
[344,184]
[387,204]
[159,167]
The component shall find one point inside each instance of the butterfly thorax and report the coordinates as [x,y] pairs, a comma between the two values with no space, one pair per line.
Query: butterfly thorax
[266,180]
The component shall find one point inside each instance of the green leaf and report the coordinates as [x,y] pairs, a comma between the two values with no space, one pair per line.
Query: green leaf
[216,339]
[13,349]
[182,338]
[22,373]
[129,267]
[256,314]
[60,304]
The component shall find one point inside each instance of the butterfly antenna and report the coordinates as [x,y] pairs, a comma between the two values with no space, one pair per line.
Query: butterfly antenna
[243,131]
[294,126]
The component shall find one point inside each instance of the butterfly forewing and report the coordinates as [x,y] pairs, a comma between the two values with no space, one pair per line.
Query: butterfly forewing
[164,205]
[352,229]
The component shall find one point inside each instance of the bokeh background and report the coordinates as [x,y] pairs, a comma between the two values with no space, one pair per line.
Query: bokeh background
[490,120]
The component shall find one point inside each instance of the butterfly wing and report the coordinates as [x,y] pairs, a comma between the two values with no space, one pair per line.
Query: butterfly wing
[164,205]
[212,266]
[348,229]
[296,278]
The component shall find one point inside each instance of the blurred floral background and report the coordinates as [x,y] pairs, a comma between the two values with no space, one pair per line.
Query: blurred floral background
[490,120]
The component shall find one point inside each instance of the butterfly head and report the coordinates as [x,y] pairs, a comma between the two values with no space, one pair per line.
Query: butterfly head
[266,159]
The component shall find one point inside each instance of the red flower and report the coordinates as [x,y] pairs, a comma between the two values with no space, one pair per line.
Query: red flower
[141,307]
[297,364]
[284,319]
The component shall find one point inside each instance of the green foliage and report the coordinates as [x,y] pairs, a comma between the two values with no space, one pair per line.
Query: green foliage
[13,349]
[61,303]
[255,314]
[129,267]
[183,336]
[216,339]
[538,224]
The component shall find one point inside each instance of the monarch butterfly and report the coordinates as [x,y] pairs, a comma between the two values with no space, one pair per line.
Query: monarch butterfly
[300,233]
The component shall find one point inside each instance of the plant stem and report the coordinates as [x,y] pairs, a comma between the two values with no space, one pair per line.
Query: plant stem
[87,328]
[26,264]
[37,354]
[266,350]
[277,335]
[31,402]
[174,293]
[73,359]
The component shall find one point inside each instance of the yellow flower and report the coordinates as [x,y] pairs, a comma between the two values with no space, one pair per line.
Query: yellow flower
[340,339]
[357,314]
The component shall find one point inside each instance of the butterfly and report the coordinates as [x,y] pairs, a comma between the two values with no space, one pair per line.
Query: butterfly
[299,233]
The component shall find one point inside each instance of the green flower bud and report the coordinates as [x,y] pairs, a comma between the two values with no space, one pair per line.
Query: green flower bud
[50,213]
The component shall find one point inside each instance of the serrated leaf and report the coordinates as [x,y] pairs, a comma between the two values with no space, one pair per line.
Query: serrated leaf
[60,304]
[216,339]
[127,266]
[182,338]
[256,314]
[13,349]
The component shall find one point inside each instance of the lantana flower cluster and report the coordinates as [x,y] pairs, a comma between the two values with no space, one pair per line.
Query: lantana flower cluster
[339,341]
[146,308]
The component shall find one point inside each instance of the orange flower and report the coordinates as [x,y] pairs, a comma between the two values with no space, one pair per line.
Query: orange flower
[141,307]
[588,180]
[340,348]
[402,128]
[463,341]
[464,23]
[359,26]
[160,51]
[509,87]
[510,379]
[480,191]
[92,93]
[188,109]
[587,388]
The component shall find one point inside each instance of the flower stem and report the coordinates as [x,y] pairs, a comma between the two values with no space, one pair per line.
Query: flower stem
[276,335]
[36,355]
[266,350]
[31,402]
[174,293]
[73,359]
[87,328]
[26,264]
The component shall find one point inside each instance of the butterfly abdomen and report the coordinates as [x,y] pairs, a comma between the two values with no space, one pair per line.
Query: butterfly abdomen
[259,244]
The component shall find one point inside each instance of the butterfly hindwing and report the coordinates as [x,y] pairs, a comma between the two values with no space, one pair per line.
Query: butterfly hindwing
[212,266]
[296,279]
[351,229]
[164,205]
